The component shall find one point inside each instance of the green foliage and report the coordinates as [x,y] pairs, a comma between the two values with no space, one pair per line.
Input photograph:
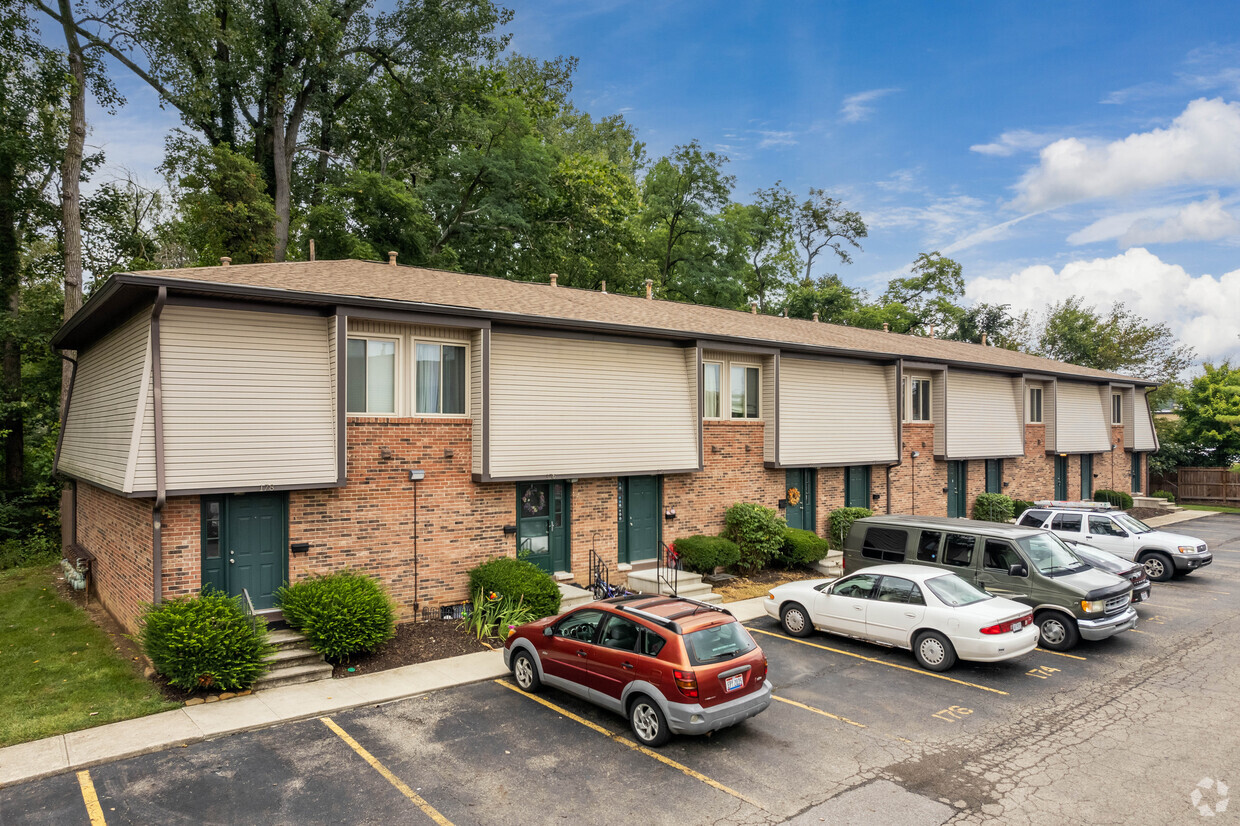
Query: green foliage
[494,615]
[226,210]
[993,507]
[1164,494]
[834,302]
[205,641]
[1210,415]
[517,579]
[1019,506]
[929,296]
[840,521]
[705,553]
[801,548]
[1118,498]
[365,214]
[23,553]
[757,531]
[341,614]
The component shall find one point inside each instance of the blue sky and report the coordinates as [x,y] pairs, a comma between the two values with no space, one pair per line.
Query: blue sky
[1051,148]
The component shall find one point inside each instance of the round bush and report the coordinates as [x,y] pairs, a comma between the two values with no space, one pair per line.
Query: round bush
[840,521]
[802,547]
[705,553]
[205,641]
[757,531]
[1118,498]
[516,578]
[993,507]
[341,614]
[1164,494]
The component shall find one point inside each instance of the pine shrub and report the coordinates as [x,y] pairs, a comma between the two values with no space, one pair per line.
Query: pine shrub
[802,548]
[517,579]
[840,522]
[705,553]
[341,614]
[1118,498]
[205,641]
[993,507]
[1164,494]
[757,531]
[1019,506]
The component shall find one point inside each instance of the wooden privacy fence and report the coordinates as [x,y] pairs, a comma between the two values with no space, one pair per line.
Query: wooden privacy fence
[1210,485]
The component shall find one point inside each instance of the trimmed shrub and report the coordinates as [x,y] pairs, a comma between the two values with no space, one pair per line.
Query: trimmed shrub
[993,507]
[1115,497]
[1164,494]
[840,521]
[205,641]
[1019,506]
[516,578]
[757,531]
[705,553]
[341,614]
[802,547]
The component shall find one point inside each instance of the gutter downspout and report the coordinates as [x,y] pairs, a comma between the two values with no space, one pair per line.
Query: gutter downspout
[161,491]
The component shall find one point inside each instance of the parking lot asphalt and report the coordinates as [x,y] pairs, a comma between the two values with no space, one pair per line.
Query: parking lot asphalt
[1118,731]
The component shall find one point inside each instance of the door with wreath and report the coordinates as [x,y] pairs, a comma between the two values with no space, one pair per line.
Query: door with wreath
[543,524]
[800,495]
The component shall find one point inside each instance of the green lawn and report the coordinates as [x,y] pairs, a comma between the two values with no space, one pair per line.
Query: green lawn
[57,666]
[1218,508]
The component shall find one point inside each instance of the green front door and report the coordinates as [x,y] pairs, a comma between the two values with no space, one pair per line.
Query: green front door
[857,486]
[1061,478]
[244,545]
[994,476]
[957,493]
[1136,473]
[1087,477]
[638,509]
[800,491]
[542,524]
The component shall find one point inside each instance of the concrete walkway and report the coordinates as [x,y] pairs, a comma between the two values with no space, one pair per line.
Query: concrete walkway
[1172,518]
[191,724]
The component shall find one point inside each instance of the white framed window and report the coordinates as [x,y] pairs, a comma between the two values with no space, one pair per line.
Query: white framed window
[441,376]
[1033,410]
[1117,408]
[916,399]
[370,375]
[744,388]
[712,389]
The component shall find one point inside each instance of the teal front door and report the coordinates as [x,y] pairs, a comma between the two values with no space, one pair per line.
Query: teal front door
[994,476]
[244,545]
[957,493]
[1136,473]
[857,486]
[543,524]
[800,494]
[1061,477]
[638,510]
[1087,477]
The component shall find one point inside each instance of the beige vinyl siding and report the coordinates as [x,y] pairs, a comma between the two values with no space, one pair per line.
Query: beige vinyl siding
[104,410]
[1129,422]
[770,408]
[1143,422]
[477,342]
[1081,421]
[393,329]
[248,401]
[1049,415]
[939,388]
[984,416]
[834,412]
[692,362]
[567,407]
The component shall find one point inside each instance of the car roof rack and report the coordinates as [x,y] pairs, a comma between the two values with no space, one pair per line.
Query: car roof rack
[1076,506]
[655,618]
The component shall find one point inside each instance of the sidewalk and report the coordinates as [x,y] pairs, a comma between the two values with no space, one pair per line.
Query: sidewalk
[1172,518]
[192,724]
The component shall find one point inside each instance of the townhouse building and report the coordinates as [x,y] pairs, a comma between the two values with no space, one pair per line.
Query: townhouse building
[244,426]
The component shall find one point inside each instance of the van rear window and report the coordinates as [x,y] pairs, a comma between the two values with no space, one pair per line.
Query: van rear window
[885,544]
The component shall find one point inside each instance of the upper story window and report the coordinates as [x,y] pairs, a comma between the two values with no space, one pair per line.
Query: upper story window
[439,382]
[712,389]
[1117,408]
[1034,408]
[371,371]
[917,399]
[743,381]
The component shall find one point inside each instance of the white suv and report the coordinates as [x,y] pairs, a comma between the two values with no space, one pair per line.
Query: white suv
[1163,554]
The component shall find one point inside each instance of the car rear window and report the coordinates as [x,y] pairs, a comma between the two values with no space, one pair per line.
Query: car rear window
[928,546]
[954,591]
[886,544]
[721,642]
[959,550]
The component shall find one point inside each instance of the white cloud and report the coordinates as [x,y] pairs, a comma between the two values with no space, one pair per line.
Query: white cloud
[1208,68]
[1201,310]
[1012,142]
[858,107]
[770,138]
[940,220]
[1201,146]
[902,180]
[1207,220]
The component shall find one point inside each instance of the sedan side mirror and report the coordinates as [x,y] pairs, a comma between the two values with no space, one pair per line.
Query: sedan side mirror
[1018,569]
[547,632]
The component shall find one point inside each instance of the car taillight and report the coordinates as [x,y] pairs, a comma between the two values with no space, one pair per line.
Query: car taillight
[686,681]
[1012,625]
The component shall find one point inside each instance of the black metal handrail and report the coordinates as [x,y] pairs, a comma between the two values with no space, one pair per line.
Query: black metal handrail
[600,577]
[247,605]
[667,569]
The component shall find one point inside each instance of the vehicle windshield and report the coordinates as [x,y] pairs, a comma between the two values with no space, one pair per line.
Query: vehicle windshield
[722,642]
[1132,523]
[1050,555]
[954,591]
[1098,559]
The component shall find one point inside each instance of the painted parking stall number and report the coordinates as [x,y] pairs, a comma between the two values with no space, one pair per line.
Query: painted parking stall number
[1042,672]
[953,714]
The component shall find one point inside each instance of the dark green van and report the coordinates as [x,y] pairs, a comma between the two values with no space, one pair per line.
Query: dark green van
[1069,598]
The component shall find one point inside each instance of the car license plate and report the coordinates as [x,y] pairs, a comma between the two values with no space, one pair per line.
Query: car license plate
[734,682]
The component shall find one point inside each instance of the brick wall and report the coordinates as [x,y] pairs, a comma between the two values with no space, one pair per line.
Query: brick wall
[1033,476]
[118,532]
[917,484]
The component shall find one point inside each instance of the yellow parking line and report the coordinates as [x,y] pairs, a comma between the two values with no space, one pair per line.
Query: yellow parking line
[427,808]
[880,662]
[1135,631]
[667,761]
[819,711]
[93,809]
[1060,653]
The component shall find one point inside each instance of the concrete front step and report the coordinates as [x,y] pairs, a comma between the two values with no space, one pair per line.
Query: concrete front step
[290,657]
[1154,502]
[688,584]
[832,565]
[286,638]
[571,596]
[294,675]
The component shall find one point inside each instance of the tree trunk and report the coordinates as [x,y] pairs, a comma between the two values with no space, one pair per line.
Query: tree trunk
[282,162]
[11,367]
[71,181]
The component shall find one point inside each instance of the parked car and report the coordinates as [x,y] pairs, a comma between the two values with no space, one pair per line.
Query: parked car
[669,664]
[1163,554]
[937,615]
[1132,571]
[1070,599]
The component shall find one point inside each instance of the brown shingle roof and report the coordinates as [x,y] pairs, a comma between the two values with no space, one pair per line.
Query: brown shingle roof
[498,297]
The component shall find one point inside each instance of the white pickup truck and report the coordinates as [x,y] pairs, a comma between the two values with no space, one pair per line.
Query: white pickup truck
[1163,554]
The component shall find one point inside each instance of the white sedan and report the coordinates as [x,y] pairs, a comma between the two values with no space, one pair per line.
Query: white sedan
[937,615]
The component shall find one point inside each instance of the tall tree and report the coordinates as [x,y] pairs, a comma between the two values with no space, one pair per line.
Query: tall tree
[821,223]
[835,302]
[1210,414]
[930,296]
[765,229]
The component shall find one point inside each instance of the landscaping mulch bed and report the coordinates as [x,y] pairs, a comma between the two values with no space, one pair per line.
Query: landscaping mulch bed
[415,642]
[1145,513]
[759,582]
